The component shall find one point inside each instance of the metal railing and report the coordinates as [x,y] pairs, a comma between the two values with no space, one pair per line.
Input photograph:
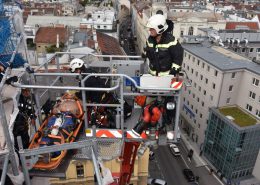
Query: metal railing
[118,86]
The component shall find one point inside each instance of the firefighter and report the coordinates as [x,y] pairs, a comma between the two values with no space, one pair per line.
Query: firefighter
[24,118]
[77,66]
[150,117]
[163,50]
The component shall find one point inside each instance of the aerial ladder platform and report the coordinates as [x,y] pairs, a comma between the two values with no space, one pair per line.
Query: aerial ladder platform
[127,140]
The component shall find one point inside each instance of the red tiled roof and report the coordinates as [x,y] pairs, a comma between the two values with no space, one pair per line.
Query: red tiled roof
[49,35]
[235,25]
[108,45]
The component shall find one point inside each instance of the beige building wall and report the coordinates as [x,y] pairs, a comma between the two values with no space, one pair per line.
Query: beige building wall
[139,176]
[184,24]
[141,32]
[244,98]
[203,93]
[41,47]
[211,87]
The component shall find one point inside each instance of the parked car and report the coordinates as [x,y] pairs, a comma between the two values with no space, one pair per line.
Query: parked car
[152,181]
[174,149]
[189,175]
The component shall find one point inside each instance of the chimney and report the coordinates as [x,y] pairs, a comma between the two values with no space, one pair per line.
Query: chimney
[58,41]
[94,35]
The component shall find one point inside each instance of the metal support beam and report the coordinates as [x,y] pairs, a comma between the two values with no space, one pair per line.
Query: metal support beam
[176,125]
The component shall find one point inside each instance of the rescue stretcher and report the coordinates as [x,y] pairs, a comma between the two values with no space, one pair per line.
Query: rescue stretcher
[61,126]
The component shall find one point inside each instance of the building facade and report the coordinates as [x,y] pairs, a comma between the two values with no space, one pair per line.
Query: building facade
[188,23]
[101,20]
[81,172]
[218,78]
[231,148]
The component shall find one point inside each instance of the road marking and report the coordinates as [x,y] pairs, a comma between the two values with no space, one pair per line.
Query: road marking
[215,176]
[185,162]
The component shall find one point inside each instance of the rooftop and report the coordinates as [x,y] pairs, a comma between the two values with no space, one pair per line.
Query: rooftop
[224,59]
[241,118]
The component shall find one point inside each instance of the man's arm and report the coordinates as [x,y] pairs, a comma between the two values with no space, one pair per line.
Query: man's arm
[176,52]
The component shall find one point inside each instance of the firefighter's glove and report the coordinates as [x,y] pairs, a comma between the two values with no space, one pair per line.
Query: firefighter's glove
[175,71]
[11,79]
[143,56]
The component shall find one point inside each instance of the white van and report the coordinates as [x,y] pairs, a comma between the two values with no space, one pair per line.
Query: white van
[175,150]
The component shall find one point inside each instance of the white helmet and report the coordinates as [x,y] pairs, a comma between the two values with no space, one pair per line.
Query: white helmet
[157,22]
[76,63]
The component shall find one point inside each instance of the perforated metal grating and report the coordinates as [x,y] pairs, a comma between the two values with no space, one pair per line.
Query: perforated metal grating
[107,149]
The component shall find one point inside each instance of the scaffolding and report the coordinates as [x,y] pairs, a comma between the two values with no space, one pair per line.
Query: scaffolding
[120,69]
[9,36]
[10,41]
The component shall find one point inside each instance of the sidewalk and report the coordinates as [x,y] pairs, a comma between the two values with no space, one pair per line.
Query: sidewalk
[199,161]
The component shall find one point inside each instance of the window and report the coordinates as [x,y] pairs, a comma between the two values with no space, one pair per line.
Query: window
[184,99]
[233,75]
[185,54]
[192,71]
[193,95]
[199,88]
[193,59]
[196,111]
[190,31]
[80,169]
[211,97]
[98,26]
[228,100]
[257,50]
[200,115]
[202,103]
[201,77]
[216,73]
[198,62]
[208,68]
[203,65]
[181,33]
[249,107]
[206,80]
[230,88]
[213,85]
[257,113]
[243,50]
[183,65]
[198,99]
[255,81]
[252,95]
[189,56]
[188,67]
[196,73]
[251,50]
[195,85]
[204,92]
[105,27]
